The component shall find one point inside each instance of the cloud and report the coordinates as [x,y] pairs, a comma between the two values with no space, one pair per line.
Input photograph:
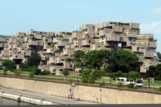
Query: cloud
[155,29]
[157,11]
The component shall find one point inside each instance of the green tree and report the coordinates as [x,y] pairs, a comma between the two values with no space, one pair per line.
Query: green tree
[157,72]
[96,58]
[78,58]
[65,73]
[91,75]
[151,71]
[9,65]
[133,75]
[159,55]
[34,59]
[124,61]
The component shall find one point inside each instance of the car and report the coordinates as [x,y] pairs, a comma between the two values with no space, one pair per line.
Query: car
[139,83]
[124,81]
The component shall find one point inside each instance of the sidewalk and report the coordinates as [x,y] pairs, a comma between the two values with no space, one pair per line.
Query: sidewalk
[55,99]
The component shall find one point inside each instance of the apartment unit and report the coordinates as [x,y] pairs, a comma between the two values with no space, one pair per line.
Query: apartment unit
[57,49]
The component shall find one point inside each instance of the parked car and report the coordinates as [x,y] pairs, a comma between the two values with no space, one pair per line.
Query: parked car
[124,81]
[139,83]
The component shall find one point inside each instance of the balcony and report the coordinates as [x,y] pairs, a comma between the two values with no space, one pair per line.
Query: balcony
[149,54]
[118,29]
[36,43]
[37,37]
[135,25]
[27,53]
[18,59]
[85,43]
[113,38]
[51,60]
[152,45]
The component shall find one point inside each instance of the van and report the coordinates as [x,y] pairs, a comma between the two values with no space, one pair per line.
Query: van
[124,81]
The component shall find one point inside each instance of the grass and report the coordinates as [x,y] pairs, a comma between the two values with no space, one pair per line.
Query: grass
[154,84]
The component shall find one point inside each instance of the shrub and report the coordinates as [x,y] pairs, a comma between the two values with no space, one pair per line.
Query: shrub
[131,86]
[90,76]
[18,73]
[31,74]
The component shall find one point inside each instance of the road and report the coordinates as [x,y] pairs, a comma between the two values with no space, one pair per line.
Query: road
[55,99]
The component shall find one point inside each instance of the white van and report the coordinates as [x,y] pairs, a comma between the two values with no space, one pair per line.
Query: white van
[124,81]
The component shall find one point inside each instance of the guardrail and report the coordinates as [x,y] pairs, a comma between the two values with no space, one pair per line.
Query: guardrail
[21,98]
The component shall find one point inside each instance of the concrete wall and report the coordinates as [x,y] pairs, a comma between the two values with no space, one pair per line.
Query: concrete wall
[108,96]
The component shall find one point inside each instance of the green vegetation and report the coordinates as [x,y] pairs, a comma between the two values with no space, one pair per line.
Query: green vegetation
[97,67]
[91,75]
[124,61]
[98,63]
[133,75]
[155,72]
[34,59]
[159,55]
[8,65]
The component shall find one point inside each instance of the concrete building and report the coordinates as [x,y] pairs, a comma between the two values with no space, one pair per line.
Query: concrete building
[57,49]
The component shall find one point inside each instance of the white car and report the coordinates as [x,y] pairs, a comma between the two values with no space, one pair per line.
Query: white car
[139,83]
[124,81]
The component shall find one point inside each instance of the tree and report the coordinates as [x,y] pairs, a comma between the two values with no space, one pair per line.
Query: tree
[78,58]
[65,72]
[150,72]
[91,75]
[124,61]
[34,59]
[96,58]
[115,62]
[155,72]
[159,55]
[133,75]
[9,65]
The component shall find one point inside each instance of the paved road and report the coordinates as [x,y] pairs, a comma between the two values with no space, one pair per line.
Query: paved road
[4,101]
[55,99]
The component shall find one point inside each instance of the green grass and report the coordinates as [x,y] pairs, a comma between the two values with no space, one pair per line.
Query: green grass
[153,83]
[107,80]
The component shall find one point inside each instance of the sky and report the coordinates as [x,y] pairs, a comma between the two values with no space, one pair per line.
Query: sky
[68,15]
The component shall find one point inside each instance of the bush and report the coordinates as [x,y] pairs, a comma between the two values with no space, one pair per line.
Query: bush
[119,84]
[133,75]
[159,88]
[39,72]
[65,72]
[102,84]
[90,76]
[117,74]
[18,73]
[4,72]
[131,86]
[9,65]
[31,74]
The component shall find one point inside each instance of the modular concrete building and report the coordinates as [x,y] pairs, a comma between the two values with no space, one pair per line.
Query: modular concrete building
[57,48]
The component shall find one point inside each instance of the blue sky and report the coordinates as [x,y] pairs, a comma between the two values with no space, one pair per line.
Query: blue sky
[67,15]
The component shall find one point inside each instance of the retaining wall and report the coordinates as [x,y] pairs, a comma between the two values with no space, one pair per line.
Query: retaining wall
[95,94]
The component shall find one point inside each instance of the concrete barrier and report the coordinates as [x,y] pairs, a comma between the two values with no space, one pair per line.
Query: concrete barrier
[86,93]
[20,98]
